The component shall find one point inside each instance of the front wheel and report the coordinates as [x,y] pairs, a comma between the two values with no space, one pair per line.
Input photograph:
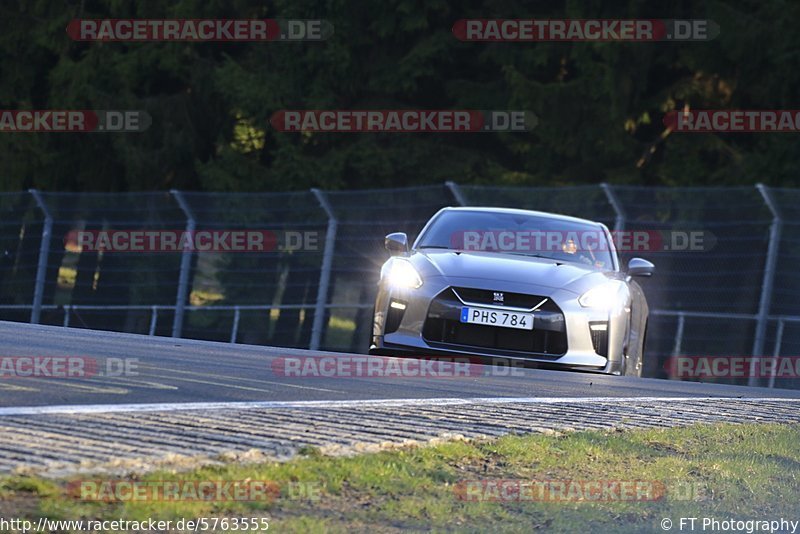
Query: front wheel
[633,363]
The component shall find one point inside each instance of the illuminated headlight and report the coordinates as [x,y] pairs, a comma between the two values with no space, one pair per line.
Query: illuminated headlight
[400,273]
[603,296]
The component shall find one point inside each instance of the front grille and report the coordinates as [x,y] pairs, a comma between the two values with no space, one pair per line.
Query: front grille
[548,338]
[485,296]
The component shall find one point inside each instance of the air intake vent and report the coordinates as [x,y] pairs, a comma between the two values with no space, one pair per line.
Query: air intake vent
[599,332]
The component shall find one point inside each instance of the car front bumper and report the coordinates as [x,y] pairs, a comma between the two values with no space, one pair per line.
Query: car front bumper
[408,331]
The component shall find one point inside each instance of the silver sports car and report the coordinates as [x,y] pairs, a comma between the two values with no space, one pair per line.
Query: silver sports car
[526,286]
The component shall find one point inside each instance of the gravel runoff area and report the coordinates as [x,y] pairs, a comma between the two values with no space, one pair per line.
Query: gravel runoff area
[114,439]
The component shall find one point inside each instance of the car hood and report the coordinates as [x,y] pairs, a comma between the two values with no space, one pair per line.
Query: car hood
[509,267]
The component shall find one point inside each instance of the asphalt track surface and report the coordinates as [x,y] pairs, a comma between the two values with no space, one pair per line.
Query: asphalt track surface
[172,370]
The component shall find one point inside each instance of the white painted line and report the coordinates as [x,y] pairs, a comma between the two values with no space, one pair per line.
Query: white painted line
[377,403]
[234,378]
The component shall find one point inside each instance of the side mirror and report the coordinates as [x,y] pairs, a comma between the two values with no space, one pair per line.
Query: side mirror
[640,267]
[396,244]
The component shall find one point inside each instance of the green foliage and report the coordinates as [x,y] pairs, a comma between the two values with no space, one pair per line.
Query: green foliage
[599,105]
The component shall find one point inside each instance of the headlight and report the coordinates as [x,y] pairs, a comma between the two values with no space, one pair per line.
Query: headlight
[603,296]
[402,274]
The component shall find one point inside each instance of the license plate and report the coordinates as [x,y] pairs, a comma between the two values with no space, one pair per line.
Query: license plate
[506,319]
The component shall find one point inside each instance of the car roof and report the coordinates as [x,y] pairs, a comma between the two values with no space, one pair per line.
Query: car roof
[543,214]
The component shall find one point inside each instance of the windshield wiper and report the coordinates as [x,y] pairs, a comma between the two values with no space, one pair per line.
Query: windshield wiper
[556,261]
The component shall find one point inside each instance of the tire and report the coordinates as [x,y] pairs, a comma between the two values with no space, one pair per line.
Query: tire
[634,365]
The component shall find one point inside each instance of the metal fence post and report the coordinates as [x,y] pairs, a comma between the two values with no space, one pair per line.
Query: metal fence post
[186,263]
[678,347]
[44,252]
[153,320]
[237,314]
[767,282]
[619,211]
[325,272]
[455,190]
[776,353]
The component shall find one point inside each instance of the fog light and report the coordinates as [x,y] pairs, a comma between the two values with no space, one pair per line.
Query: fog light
[395,316]
[599,331]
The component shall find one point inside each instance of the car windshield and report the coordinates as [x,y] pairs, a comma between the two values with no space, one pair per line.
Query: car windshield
[518,233]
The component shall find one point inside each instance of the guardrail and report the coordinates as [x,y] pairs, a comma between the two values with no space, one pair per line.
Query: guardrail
[780,320]
[154,309]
